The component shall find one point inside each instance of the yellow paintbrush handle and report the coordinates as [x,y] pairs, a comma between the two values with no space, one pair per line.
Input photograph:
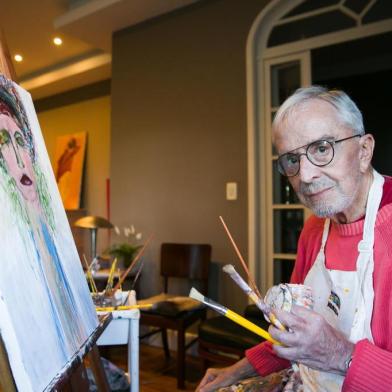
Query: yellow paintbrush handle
[126,307]
[92,283]
[249,325]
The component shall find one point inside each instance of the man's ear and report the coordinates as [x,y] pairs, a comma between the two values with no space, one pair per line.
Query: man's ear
[366,145]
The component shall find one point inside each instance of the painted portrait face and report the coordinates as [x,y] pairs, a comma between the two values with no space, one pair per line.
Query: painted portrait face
[330,189]
[15,152]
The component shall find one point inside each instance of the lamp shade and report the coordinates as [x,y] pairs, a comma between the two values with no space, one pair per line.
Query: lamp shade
[93,222]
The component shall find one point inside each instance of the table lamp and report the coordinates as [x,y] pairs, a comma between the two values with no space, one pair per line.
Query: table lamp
[93,223]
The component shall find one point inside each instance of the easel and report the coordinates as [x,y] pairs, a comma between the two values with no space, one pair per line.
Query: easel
[72,377]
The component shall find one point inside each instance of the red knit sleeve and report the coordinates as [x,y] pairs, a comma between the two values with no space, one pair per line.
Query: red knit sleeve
[264,360]
[370,370]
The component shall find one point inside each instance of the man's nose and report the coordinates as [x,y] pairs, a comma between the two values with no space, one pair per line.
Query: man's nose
[307,170]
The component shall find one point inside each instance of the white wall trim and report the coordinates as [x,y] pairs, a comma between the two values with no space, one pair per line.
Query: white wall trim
[255,46]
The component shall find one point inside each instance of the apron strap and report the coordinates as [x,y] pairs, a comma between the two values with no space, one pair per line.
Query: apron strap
[367,242]
[327,223]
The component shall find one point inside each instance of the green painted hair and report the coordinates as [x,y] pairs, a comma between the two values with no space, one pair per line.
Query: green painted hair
[10,97]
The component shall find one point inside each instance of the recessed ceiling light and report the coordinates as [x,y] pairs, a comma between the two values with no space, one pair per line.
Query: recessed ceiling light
[18,58]
[57,41]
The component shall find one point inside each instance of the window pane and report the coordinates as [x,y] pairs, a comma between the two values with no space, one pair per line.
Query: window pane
[283,193]
[356,5]
[311,5]
[282,270]
[297,30]
[379,11]
[285,79]
[287,228]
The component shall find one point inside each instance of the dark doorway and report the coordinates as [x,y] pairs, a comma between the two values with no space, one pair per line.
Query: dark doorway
[363,69]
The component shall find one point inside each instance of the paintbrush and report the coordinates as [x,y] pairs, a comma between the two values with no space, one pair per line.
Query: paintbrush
[137,274]
[251,281]
[232,316]
[109,284]
[229,269]
[90,276]
[122,307]
[134,261]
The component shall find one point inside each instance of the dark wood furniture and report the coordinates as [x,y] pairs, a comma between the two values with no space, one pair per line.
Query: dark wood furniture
[185,261]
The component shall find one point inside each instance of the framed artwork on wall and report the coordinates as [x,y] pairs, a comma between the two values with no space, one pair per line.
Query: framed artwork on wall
[68,167]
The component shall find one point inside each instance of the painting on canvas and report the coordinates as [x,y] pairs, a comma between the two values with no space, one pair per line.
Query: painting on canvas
[68,167]
[45,306]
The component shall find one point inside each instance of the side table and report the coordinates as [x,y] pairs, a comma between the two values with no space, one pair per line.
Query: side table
[124,329]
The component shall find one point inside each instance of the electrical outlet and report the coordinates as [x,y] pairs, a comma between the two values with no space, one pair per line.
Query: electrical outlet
[231,191]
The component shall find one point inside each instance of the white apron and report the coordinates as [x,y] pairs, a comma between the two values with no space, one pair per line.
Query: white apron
[338,295]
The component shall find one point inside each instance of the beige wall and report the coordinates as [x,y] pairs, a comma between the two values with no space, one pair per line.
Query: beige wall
[179,132]
[91,116]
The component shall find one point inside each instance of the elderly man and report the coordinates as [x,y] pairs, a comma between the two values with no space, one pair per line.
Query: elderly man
[344,253]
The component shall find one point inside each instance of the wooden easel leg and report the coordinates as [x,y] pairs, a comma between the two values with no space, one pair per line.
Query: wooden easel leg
[98,370]
[6,379]
[78,381]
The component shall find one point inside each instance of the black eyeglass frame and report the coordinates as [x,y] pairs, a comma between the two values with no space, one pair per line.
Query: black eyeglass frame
[330,142]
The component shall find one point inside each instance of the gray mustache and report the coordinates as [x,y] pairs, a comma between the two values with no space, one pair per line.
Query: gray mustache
[316,186]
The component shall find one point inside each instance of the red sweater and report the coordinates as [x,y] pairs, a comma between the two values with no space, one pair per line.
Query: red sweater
[371,366]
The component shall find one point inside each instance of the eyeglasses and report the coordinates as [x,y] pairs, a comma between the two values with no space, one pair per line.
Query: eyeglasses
[320,153]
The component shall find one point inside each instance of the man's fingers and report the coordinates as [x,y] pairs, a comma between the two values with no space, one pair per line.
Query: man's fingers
[289,353]
[213,379]
[208,377]
[301,311]
[289,320]
[214,384]
[287,338]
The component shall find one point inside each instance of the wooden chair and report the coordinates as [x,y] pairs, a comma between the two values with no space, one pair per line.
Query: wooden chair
[185,261]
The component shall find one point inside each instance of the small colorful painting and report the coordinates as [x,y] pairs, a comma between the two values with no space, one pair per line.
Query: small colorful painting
[45,305]
[68,167]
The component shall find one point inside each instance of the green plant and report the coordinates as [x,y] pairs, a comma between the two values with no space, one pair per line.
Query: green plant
[125,251]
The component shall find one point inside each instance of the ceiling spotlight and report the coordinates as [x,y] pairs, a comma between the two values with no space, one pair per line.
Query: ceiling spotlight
[18,58]
[57,41]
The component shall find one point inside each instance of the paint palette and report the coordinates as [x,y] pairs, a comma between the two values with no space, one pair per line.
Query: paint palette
[285,295]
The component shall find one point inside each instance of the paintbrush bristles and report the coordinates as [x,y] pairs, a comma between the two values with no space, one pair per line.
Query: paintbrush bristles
[251,281]
[89,275]
[196,295]
[228,268]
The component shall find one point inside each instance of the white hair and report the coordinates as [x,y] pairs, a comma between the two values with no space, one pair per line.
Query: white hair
[348,112]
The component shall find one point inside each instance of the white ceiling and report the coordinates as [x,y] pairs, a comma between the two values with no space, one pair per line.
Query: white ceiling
[85,56]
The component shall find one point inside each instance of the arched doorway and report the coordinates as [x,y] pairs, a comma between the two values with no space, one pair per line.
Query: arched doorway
[291,44]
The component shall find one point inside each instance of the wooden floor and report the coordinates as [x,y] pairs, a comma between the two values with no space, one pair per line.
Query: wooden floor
[156,373]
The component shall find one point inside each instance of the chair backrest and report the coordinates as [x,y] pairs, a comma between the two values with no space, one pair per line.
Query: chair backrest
[189,261]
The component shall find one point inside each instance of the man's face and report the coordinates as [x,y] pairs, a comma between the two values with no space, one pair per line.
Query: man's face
[15,152]
[330,189]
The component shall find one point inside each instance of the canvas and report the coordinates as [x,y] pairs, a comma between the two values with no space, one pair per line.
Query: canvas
[68,167]
[45,305]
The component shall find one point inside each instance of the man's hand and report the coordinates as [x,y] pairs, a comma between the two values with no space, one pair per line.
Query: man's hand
[311,341]
[217,378]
